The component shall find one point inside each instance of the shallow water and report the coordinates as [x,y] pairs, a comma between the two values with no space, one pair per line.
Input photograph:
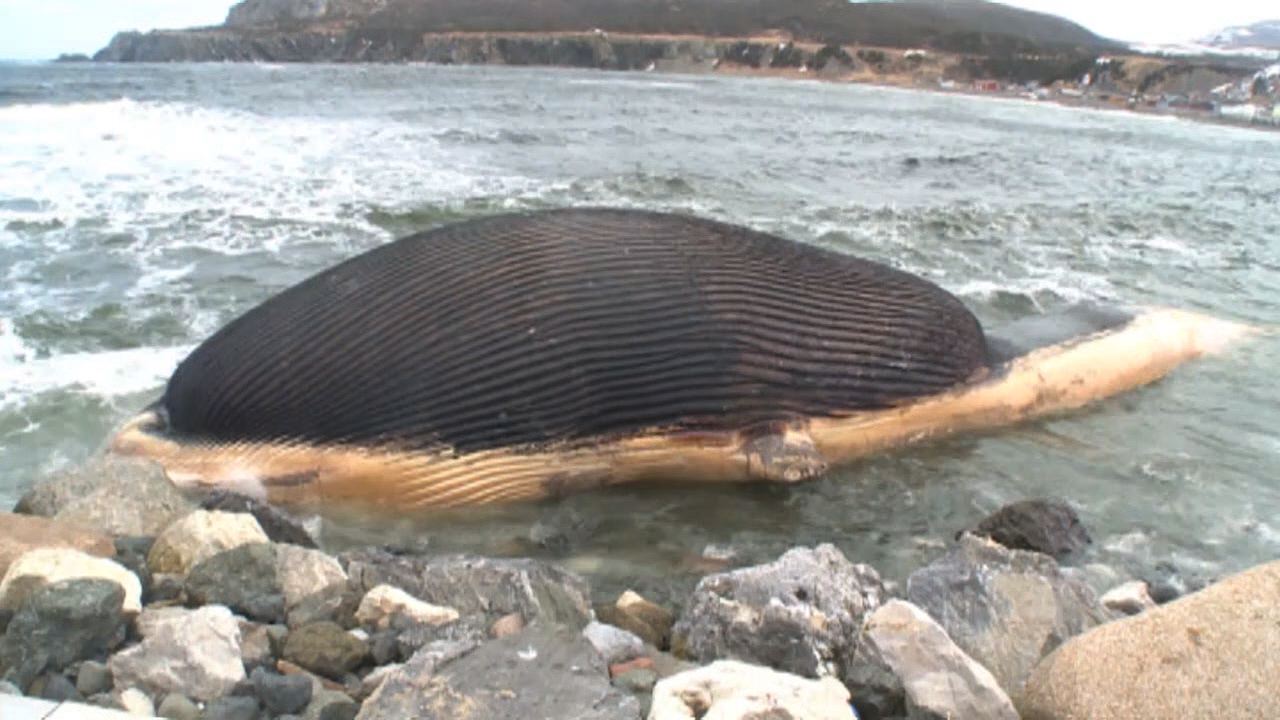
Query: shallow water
[143,206]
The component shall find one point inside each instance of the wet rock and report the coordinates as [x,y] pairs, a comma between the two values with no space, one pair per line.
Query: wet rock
[280,528]
[1051,527]
[193,652]
[93,678]
[58,688]
[177,706]
[1004,608]
[41,567]
[647,620]
[136,702]
[541,672]
[614,644]
[1130,598]
[282,694]
[905,665]
[20,534]
[385,606]
[1209,654]
[243,578]
[799,613]
[61,623]
[475,586]
[732,690]
[232,707]
[201,535]
[325,648]
[509,624]
[112,495]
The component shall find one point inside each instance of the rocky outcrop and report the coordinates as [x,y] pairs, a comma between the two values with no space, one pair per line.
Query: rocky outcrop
[1210,654]
[1004,608]
[906,665]
[732,690]
[800,613]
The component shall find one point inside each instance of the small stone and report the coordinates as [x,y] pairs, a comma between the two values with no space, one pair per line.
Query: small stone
[282,694]
[201,535]
[45,566]
[330,705]
[177,707]
[58,689]
[23,533]
[1051,527]
[384,605]
[61,623]
[280,528]
[136,702]
[731,689]
[334,603]
[622,668]
[165,588]
[232,707]
[614,644]
[636,681]
[653,621]
[325,648]
[277,635]
[194,652]
[93,678]
[383,647]
[255,646]
[507,625]
[1130,598]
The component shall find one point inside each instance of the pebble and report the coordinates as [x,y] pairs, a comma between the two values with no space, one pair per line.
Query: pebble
[282,694]
[58,689]
[325,648]
[1130,598]
[94,677]
[177,706]
[136,702]
[506,625]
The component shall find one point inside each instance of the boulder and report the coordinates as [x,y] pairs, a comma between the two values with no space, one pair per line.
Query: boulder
[62,623]
[542,672]
[1212,653]
[243,578]
[193,652]
[201,535]
[22,533]
[614,644]
[37,568]
[1051,527]
[800,613]
[477,586]
[113,495]
[906,665]
[385,606]
[633,613]
[325,648]
[280,528]
[1004,608]
[731,690]
[1129,598]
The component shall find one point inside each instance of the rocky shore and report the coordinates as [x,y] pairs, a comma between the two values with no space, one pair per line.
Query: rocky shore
[120,592]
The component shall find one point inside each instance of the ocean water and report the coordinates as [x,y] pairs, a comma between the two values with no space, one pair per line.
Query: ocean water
[141,207]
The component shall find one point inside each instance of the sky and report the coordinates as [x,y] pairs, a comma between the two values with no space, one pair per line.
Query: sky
[35,29]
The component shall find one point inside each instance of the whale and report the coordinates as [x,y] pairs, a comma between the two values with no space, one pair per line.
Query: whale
[530,355]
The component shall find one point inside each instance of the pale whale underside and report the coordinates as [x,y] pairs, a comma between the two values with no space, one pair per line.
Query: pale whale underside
[523,356]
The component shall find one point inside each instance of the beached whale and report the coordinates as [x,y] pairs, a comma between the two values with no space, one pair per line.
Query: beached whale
[531,355]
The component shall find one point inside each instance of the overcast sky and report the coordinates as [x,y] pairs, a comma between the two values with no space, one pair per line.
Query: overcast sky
[43,28]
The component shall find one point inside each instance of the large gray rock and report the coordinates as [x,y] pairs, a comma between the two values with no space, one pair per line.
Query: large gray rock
[242,578]
[542,672]
[475,586]
[114,495]
[1051,527]
[731,690]
[1004,608]
[1211,654]
[193,652]
[906,665]
[800,613]
[59,624]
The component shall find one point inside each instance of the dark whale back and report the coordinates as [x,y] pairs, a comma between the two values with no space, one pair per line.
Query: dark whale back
[568,325]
